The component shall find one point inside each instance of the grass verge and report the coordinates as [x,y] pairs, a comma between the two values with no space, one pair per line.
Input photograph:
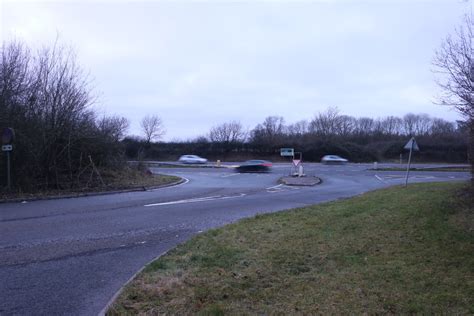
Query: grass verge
[448,169]
[114,180]
[390,251]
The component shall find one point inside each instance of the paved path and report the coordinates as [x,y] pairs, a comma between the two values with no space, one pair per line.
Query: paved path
[69,256]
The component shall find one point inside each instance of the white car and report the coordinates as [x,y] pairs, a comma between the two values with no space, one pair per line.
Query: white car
[333,159]
[192,159]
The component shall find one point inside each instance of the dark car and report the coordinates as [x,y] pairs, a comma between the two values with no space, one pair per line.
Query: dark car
[255,166]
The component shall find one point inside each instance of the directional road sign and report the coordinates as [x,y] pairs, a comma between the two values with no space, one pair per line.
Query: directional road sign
[287,152]
[7,147]
[412,145]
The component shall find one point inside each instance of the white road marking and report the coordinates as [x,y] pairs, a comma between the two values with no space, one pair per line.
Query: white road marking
[400,177]
[394,177]
[280,188]
[230,175]
[422,177]
[195,200]
[274,187]
[380,179]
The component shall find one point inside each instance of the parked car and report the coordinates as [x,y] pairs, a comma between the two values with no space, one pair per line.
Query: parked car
[255,166]
[333,159]
[192,159]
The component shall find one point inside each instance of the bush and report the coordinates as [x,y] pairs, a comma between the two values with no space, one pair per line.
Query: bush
[46,99]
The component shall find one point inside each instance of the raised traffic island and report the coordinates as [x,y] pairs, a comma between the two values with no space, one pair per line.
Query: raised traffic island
[300,181]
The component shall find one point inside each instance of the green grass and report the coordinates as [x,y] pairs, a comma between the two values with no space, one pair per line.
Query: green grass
[394,251]
[449,169]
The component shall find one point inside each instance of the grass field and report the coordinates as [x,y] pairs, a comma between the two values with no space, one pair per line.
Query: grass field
[394,251]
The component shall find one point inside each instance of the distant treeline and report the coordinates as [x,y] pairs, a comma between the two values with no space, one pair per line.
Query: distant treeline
[358,139]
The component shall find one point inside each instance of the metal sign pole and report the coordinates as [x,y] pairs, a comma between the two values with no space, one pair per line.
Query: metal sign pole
[8,171]
[409,162]
[292,158]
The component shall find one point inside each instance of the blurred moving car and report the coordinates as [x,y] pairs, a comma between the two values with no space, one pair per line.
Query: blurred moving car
[333,159]
[255,166]
[192,159]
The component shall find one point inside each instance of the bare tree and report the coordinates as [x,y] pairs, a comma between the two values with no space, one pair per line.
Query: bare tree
[423,124]
[364,126]
[326,123]
[299,128]
[114,127]
[47,99]
[15,80]
[391,125]
[231,132]
[454,62]
[346,125]
[417,124]
[409,123]
[270,132]
[441,127]
[152,127]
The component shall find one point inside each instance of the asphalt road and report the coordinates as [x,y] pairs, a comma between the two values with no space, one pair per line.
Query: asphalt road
[69,256]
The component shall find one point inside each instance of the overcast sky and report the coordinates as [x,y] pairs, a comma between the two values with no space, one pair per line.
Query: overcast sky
[201,63]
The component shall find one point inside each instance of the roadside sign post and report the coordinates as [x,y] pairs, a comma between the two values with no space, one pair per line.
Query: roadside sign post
[411,145]
[8,136]
[297,163]
[287,152]
[9,181]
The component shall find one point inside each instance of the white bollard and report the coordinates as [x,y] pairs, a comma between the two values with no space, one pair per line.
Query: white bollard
[218,163]
[300,170]
[375,165]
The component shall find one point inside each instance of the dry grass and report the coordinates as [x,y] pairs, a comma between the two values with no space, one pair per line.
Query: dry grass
[393,251]
[123,179]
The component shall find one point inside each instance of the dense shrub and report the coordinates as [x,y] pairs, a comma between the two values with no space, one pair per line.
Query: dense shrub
[60,141]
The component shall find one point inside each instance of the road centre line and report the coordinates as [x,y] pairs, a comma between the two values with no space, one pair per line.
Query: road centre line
[195,200]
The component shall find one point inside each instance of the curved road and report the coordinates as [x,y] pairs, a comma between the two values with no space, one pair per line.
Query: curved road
[69,256]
